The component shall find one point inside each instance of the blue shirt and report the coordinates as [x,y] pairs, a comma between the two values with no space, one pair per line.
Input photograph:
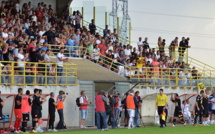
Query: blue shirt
[70,43]
[44,48]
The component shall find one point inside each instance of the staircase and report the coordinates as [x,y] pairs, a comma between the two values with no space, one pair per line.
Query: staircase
[90,71]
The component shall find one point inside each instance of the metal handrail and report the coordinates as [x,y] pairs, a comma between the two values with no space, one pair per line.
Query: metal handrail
[38,74]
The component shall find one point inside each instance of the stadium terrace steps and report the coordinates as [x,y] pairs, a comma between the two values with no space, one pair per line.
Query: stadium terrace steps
[89,71]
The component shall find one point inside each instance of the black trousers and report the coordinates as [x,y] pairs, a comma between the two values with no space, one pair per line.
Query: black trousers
[51,120]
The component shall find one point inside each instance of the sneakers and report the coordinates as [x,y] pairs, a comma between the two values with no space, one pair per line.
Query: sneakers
[118,126]
[129,128]
[173,125]
[185,123]
[33,131]
[49,130]
[106,129]
[194,125]
[54,130]
[202,125]
[85,127]
[16,132]
[81,126]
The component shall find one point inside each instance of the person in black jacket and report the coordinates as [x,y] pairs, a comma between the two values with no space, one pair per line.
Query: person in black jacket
[109,110]
[35,110]
[50,35]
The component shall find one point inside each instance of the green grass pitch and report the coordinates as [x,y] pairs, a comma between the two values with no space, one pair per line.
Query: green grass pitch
[148,130]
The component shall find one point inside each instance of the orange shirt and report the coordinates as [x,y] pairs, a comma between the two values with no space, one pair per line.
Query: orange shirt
[60,104]
[130,102]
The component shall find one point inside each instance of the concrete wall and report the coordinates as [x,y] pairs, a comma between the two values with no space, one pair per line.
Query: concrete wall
[71,111]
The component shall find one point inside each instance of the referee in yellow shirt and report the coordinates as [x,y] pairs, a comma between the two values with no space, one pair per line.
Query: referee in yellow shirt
[161,102]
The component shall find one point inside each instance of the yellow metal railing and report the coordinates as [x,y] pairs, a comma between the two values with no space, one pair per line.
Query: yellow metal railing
[38,74]
[171,77]
[162,77]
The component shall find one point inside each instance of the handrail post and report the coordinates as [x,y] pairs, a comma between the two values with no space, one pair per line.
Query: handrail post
[130,33]
[12,72]
[82,16]
[118,27]
[106,19]
[66,74]
[94,14]
[210,79]
[24,75]
[204,77]
[162,77]
[46,80]
[35,74]
[56,78]
[176,82]
[169,76]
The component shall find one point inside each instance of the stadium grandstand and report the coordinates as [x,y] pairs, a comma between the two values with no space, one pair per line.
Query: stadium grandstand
[42,48]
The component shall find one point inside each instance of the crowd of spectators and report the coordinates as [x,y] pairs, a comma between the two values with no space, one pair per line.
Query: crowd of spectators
[27,32]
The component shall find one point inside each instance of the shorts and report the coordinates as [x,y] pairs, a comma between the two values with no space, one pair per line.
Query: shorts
[84,114]
[205,113]
[131,112]
[178,113]
[198,112]
[35,113]
[120,114]
[126,114]
[209,109]
[40,114]
[213,111]
[25,116]
[18,113]
[160,110]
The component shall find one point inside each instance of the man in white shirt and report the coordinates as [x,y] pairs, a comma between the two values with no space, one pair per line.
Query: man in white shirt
[27,24]
[149,59]
[22,59]
[140,43]
[5,34]
[60,59]
[128,51]
[186,110]
[18,6]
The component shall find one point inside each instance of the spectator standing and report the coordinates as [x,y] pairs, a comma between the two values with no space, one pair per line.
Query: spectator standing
[60,59]
[100,111]
[52,109]
[172,47]
[92,27]
[146,44]
[137,110]
[84,108]
[140,43]
[105,31]
[61,97]
[70,46]
[78,18]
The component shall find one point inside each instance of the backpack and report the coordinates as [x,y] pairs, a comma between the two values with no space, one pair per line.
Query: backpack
[78,102]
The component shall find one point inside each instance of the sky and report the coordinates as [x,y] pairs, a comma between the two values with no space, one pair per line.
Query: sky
[167,18]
